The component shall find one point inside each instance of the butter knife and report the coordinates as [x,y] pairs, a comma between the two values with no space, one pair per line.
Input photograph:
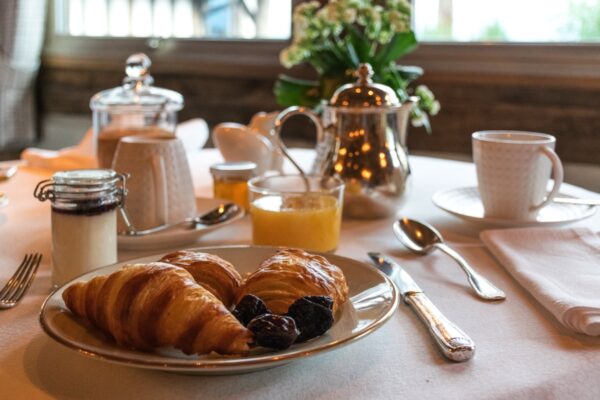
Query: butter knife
[452,341]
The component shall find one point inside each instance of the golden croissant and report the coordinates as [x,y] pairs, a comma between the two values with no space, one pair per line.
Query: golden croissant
[290,274]
[144,306]
[212,272]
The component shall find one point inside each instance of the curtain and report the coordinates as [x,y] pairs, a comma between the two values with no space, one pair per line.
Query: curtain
[22,24]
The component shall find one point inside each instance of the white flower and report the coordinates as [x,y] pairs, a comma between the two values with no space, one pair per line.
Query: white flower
[425,94]
[349,15]
[435,108]
[292,55]
[306,8]
[418,121]
[398,21]
[301,25]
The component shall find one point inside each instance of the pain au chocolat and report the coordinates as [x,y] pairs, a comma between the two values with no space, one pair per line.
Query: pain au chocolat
[145,306]
[290,274]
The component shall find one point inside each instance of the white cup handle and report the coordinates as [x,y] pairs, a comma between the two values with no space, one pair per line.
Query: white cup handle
[557,172]
[161,191]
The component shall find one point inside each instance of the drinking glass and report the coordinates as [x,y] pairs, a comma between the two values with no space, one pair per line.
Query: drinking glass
[296,211]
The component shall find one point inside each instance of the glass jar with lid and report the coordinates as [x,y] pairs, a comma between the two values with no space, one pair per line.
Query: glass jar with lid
[84,219]
[135,108]
[230,181]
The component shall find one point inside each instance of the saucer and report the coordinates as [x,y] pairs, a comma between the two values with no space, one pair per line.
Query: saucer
[465,203]
[178,235]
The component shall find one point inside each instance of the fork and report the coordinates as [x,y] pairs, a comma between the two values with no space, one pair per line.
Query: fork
[17,285]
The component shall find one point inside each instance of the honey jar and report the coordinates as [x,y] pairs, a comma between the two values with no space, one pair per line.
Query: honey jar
[230,181]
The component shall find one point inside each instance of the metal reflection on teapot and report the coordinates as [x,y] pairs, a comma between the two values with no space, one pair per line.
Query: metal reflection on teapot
[361,139]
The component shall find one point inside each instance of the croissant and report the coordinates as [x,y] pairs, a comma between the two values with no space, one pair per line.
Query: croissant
[143,306]
[212,272]
[290,274]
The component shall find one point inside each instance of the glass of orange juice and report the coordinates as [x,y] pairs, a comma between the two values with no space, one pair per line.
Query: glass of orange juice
[289,211]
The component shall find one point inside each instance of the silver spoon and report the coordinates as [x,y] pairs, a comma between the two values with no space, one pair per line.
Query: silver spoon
[573,200]
[422,238]
[218,215]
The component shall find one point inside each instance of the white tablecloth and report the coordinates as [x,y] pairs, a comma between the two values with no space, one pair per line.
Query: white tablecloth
[522,353]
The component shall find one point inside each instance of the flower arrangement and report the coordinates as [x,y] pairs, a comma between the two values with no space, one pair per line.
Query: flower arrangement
[336,37]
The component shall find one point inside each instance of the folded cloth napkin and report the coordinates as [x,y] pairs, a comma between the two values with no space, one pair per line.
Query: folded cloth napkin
[193,134]
[559,267]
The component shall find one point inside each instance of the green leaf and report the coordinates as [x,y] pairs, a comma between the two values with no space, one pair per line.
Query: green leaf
[401,44]
[352,55]
[360,43]
[296,92]
[409,72]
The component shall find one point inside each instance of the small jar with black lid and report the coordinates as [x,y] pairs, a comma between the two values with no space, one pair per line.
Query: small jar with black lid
[84,219]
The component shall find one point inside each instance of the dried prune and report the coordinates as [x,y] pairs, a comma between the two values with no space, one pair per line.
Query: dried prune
[325,301]
[274,331]
[312,319]
[248,308]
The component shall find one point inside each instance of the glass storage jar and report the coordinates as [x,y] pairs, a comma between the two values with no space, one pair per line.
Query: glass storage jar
[84,220]
[135,108]
[230,181]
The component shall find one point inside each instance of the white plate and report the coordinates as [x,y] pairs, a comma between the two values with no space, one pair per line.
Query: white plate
[465,203]
[373,299]
[176,236]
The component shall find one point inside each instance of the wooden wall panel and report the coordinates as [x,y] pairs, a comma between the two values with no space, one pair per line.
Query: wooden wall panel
[572,113]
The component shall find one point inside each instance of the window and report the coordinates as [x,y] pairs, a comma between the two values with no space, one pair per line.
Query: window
[526,37]
[517,21]
[208,19]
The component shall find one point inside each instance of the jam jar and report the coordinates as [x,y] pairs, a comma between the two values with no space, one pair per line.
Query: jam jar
[230,181]
[84,220]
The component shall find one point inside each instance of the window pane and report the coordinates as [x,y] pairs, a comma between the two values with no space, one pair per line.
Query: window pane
[507,20]
[227,19]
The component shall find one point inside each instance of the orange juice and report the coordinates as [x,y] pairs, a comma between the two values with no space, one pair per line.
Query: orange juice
[310,221]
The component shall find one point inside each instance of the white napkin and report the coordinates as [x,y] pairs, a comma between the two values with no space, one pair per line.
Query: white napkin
[559,267]
[193,134]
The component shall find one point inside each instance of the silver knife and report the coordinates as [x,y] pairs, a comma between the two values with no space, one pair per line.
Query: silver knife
[452,341]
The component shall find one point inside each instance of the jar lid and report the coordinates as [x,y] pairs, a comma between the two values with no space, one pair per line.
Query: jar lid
[81,184]
[84,180]
[137,92]
[242,170]
[364,93]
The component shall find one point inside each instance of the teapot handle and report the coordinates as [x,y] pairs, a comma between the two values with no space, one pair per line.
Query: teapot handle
[281,118]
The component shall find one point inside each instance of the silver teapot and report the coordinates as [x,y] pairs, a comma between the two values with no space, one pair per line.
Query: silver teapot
[361,140]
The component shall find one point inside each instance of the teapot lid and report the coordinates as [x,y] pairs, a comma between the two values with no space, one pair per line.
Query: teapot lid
[364,93]
[137,92]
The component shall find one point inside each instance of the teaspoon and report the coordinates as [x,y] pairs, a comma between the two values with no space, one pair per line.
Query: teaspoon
[218,215]
[422,238]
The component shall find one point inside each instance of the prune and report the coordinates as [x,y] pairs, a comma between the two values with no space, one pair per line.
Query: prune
[325,301]
[312,319]
[248,308]
[274,331]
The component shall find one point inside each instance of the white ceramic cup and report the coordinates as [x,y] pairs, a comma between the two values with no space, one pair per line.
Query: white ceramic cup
[254,142]
[160,188]
[513,170]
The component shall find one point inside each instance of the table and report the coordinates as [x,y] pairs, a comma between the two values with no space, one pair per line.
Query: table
[522,352]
